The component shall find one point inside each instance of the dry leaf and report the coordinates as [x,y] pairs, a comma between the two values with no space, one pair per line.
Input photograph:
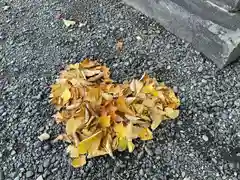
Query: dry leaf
[90,144]
[171,113]
[145,134]
[105,121]
[73,151]
[73,124]
[66,95]
[119,45]
[122,106]
[131,146]
[79,162]
[68,22]
[101,116]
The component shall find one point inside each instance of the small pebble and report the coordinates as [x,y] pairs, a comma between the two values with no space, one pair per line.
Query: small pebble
[40,178]
[205,138]
[46,163]
[29,174]
[5,8]
[43,137]
[200,69]
[141,172]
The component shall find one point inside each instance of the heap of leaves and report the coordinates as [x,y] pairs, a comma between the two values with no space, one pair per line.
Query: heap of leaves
[101,116]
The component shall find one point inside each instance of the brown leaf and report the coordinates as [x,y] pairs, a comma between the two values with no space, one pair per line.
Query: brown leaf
[119,45]
[122,106]
[97,77]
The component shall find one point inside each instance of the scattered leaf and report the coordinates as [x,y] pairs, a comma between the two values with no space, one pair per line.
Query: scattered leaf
[119,45]
[68,23]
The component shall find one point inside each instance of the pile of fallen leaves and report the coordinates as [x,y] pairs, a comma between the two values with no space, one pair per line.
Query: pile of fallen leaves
[101,116]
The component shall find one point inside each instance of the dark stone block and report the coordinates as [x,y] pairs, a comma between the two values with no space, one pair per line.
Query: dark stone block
[208,25]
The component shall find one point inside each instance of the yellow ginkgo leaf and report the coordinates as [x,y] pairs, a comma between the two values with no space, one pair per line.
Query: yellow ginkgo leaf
[96,153]
[131,146]
[156,123]
[171,113]
[73,151]
[109,145]
[73,124]
[149,103]
[138,108]
[145,134]
[68,22]
[122,144]
[136,86]
[132,131]
[79,162]
[150,89]
[175,101]
[93,94]
[130,100]
[90,144]
[104,121]
[120,129]
[73,66]
[122,106]
[157,116]
[66,95]
[107,96]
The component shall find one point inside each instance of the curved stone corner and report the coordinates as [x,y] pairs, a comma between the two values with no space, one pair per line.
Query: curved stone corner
[211,28]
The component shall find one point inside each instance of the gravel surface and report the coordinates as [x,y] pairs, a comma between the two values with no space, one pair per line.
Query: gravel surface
[35,45]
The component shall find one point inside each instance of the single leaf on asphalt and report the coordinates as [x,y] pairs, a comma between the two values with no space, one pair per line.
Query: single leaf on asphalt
[79,162]
[68,23]
[119,45]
